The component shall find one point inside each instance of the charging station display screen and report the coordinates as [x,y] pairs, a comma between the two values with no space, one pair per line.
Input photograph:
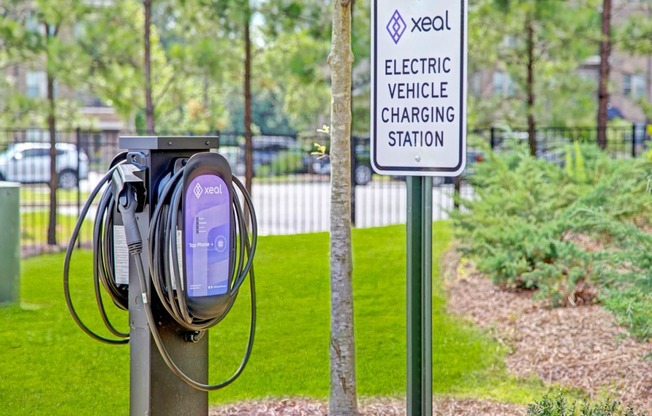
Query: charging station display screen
[207,236]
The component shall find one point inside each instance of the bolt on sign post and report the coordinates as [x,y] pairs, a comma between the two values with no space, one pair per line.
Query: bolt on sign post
[418,129]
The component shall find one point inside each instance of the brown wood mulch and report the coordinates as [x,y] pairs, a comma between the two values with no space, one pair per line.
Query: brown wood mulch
[581,347]
[368,407]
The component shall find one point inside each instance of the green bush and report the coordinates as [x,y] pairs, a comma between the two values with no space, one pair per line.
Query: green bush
[558,406]
[535,225]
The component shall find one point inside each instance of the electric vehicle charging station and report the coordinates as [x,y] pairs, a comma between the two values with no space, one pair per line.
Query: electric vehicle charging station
[171,246]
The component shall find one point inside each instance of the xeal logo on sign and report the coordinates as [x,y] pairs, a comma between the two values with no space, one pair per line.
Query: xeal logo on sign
[397,26]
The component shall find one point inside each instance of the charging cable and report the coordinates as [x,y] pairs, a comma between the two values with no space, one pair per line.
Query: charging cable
[164,220]
[103,268]
[128,196]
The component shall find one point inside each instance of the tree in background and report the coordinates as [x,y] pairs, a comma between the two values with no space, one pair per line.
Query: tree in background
[59,56]
[546,37]
[147,57]
[540,44]
[635,37]
[110,37]
[343,399]
[605,69]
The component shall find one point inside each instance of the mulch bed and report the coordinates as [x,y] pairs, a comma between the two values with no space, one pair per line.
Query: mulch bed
[368,407]
[574,347]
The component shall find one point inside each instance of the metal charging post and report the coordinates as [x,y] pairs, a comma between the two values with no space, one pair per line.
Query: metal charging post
[154,389]
[419,296]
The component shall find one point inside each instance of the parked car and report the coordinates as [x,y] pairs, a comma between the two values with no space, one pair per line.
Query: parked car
[362,172]
[30,163]
[272,155]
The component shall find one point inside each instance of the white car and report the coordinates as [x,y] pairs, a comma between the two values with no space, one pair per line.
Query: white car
[30,163]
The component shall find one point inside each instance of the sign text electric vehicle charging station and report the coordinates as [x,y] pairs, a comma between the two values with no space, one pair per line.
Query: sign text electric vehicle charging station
[418,129]
[171,246]
[418,83]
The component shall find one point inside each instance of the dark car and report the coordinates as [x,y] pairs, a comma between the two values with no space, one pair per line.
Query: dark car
[272,155]
[362,172]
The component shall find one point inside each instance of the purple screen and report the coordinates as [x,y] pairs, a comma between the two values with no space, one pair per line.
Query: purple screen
[207,236]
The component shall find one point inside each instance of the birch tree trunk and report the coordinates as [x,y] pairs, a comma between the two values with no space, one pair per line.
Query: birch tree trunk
[343,400]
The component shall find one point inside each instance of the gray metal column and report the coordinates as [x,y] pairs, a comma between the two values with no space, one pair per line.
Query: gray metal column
[10,242]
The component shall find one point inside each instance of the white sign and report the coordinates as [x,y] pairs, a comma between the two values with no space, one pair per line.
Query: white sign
[418,87]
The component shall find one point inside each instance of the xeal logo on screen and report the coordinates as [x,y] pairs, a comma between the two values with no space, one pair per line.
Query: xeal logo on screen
[208,190]
[397,26]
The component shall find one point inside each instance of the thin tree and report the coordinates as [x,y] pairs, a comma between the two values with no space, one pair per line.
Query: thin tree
[149,103]
[51,32]
[530,83]
[605,68]
[343,399]
[249,146]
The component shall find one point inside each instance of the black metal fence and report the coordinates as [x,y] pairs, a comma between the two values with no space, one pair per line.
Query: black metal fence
[291,187]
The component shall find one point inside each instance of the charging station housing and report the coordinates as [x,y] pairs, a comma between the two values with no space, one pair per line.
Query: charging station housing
[174,240]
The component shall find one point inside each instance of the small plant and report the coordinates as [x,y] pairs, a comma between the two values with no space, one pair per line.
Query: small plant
[559,406]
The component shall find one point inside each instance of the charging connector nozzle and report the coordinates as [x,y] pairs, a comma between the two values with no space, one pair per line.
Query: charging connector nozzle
[130,191]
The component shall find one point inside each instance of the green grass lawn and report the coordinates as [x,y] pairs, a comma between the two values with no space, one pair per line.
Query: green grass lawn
[50,367]
[34,225]
[41,195]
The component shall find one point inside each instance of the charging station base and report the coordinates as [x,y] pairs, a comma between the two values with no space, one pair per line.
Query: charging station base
[154,389]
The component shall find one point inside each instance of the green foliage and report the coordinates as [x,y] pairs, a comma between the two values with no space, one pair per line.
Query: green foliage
[575,168]
[562,32]
[538,226]
[559,406]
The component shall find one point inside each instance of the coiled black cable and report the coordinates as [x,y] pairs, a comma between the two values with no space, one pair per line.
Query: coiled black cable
[163,263]
[164,270]
[103,269]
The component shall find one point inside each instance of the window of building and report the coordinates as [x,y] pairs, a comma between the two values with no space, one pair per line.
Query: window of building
[634,85]
[476,84]
[36,84]
[503,84]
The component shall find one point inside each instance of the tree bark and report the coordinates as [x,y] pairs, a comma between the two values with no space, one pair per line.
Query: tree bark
[343,399]
[531,98]
[149,103]
[605,69]
[52,129]
[249,146]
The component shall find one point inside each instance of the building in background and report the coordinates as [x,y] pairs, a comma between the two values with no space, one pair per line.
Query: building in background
[630,78]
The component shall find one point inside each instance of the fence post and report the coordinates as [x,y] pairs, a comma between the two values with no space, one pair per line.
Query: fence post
[633,140]
[354,163]
[79,149]
[492,138]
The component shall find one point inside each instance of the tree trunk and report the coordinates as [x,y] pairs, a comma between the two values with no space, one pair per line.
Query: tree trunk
[249,146]
[605,69]
[149,103]
[52,129]
[343,400]
[531,123]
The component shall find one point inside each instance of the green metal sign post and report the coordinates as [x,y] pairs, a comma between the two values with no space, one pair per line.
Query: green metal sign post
[418,64]
[419,296]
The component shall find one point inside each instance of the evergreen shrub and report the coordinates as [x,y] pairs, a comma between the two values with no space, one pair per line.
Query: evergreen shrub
[559,406]
[567,231]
